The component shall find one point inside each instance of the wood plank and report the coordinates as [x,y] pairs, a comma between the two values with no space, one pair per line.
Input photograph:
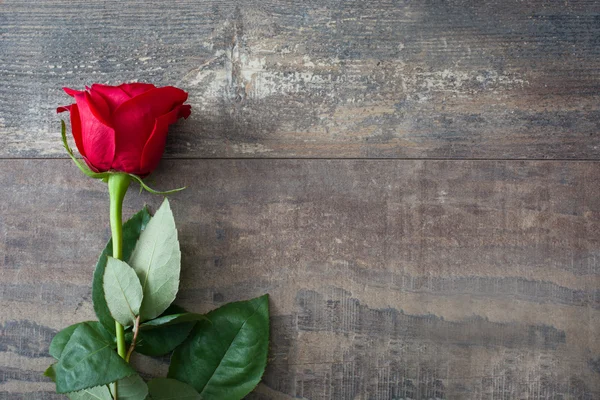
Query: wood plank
[388,279]
[319,78]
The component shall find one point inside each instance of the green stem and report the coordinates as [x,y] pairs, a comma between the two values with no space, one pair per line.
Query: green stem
[117,187]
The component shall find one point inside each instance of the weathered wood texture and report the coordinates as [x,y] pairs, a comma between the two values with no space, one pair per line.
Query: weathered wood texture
[319,78]
[389,279]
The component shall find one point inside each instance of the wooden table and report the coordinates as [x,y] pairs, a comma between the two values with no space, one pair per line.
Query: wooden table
[415,183]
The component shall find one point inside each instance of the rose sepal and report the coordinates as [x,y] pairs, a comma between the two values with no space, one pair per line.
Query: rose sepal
[149,189]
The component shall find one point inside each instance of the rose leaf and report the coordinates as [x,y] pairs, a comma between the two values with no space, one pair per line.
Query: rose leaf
[165,389]
[132,388]
[225,355]
[88,360]
[157,261]
[122,291]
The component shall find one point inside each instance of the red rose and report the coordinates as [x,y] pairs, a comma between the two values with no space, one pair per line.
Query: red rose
[124,128]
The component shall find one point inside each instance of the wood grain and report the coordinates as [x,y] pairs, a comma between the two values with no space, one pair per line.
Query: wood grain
[319,78]
[388,279]
[394,273]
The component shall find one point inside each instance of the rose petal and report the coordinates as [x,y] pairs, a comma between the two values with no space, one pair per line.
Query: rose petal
[89,164]
[99,107]
[155,146]
[135,89]
[71,92]
[185,111]
[134,123]
[98,139]
[75,125]
[76,129]
[113,95]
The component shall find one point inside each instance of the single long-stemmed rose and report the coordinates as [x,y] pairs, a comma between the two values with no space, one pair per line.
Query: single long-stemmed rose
[120,131]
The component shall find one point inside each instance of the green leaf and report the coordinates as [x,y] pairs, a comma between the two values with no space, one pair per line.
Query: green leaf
[172,319]
[132,388]
[61,339]
[50,373]
[88,360]
[162,340]
[95,393]
[171,389]
[157,262]
[131,233]
[122,291]
[162,335]
[225,356]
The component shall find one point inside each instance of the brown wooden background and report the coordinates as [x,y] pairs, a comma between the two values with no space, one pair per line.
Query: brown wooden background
[415,183]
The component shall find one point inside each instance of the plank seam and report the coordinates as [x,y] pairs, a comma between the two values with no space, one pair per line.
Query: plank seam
[592,160]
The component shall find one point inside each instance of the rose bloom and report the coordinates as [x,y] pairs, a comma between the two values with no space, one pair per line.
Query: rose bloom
[124,128]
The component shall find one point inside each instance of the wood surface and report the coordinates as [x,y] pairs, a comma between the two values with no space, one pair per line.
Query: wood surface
[415,183]
[319,78]
[388,279]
